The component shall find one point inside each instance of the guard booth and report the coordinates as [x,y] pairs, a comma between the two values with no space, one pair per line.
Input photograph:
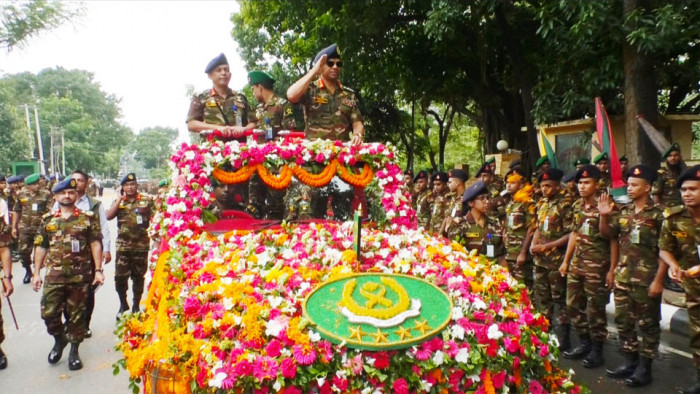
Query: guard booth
[24,167]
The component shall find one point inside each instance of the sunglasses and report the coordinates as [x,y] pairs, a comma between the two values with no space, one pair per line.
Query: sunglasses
[338,63]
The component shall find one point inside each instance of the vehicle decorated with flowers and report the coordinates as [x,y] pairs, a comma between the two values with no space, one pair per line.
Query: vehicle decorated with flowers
[292,307]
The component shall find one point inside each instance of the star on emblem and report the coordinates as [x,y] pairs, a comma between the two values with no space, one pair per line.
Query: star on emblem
[403,333]
[357,333]
[379,336]
[421,326]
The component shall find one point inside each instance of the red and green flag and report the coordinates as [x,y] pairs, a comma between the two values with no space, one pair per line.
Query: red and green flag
[607,143]
[546,149]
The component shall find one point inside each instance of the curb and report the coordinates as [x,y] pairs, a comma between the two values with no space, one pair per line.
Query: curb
[673,318]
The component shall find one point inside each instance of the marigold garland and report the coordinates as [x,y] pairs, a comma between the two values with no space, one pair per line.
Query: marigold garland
[317,180]
[360,180]
[277,182]
[228,178]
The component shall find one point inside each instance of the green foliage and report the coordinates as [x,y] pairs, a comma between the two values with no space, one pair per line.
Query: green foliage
[153,147]
[19,21]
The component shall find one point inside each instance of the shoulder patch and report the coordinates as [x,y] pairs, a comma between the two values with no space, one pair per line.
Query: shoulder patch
[661,170]
[670,211]
[89,213]
[46,216]
[347,89]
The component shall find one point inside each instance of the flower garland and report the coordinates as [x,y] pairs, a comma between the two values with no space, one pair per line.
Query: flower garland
[317,180]
[360,180]
[279,182]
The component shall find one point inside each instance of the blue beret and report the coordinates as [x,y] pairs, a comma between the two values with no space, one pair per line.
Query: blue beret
[690,174]
[602,156]
[476,189]
[673,148]
[569,176]
[32,179]
[13,179]
[422,174]
[641,171]
[128,178]
[216,62]
[460,174]
[68,183]
[553,174]
[440,176]
[331,52]
[588,171]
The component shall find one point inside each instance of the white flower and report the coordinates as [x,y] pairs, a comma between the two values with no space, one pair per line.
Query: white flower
[494,332]
[189,155]
[274,327]
[457,331]
[228,303]
[438,358]
[277,386]
[478,304]
[314,336]
[462,355]
[218,378]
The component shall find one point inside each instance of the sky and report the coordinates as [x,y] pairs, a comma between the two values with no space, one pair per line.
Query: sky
[144,52]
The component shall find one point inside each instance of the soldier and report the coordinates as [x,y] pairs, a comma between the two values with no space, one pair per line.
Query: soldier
[541,166]
[679,248]
[498,182]
[440,202]
[408,185]
[588,256]
[638,276]
[133,212]
[553,225]
[6,260]
[31,204]
[220,108]
[476,230]
[665,190]
[486,175]
[69,246]
[571,190]
[13,186]
[582,162]
[455,184]
[624,166]
[424,199]
[274,114]
[603,164]
[519,227]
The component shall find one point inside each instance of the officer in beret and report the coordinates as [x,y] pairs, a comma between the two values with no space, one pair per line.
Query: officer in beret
[519,220]
[665,190]
[331,110]
[554,222]
[423,199]
[220,108]
[486,175]
[476,230]
[6,265]
[497,206]
[498,182]
[638,275]
[31,204]
[603,163]
[69,246]
[542,165]
[678,244]
[133,212]
[455,184]
[587,263]
[440,201]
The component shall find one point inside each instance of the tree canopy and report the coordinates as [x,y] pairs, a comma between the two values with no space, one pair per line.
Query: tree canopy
[21,20]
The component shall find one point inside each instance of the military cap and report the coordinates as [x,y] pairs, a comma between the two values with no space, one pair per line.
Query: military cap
[475,190]
[128,178]
[14,179]
[570,176]
[456,173]
[2,178]
[68,183]
[52,177]
[422,174]
[215,62]
[552,174]
[690,174]
[331,51]
[641,171]
[515,170]
[440,176]
[514,163]
[588,171]
[542,160]
[491,159]
[164,182]
[623,158]
[485,169]
[602,156]
[674,147]
[408,171]
[582,161]
[256,76]
[32,179]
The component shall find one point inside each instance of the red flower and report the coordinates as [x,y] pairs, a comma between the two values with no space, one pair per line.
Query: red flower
[381,360]
[400,386]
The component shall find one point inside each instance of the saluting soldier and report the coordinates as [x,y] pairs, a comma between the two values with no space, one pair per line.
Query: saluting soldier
[424,199]
[665,189]
[440,201]
[476,231]
[69,246]
[133,212]
[31,204]
[587,262]
[455,183]
[6,260]
[498,182]
[679,245]
[638,274]
[553,225]
[602,162]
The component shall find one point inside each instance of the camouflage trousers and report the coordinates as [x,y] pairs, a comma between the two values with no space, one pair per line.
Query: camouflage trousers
[523,273]
[131,263]
[586,297]
[549,293]
[263,201]
[692,300]
[633,306]
[26,247]
[2,325]
[69,300]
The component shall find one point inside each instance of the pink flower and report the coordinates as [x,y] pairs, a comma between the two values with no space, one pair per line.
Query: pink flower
[243,368]
[265,368]
[273,348]
[499,379]
[340,383]
[355,364]
[422,353]
[289,368]
[320,158]
[292,390]
[304,354]
[400,386]
[535,387]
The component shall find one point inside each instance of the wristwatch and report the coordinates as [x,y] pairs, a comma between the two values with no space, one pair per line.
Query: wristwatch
[7,277]
[99,270]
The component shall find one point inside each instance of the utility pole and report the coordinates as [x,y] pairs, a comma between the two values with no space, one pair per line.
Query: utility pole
[63,153]
[29,129]
[42,165]
[52,134]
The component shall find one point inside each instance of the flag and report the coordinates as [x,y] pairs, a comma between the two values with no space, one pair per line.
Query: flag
[607,143]
[546,149]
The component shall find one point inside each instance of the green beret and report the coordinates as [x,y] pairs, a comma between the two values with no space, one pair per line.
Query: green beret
[491,159]
[623,158]
[256,76]
[674,147]
[164,182]
[542,160]
[32,179]
[582,161]
[602,156]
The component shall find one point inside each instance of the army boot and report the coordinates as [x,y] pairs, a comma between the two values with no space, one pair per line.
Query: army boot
[642,375]
[122,286]
[564,337]
[74,362]
[3,360]
[57,351]
[695,388]
[594,359]
[580,351]
[627,368]
[27,275]
[138,292]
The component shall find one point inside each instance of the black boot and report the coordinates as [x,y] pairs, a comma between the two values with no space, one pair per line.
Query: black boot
[138,292]
[74,362]
[695,388]
[642,375]
[27,275]
[122,285]
[580,351]
[594,359]
[57,351]
[564,337]
[3,360]
[626,369]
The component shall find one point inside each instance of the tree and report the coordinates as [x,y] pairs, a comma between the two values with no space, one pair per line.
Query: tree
[153,147]
[19,21]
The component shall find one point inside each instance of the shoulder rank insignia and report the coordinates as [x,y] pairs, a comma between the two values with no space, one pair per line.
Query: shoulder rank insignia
[89,213]
[46,215]
[670,211]
[38,240]
[320,100]
[288,111]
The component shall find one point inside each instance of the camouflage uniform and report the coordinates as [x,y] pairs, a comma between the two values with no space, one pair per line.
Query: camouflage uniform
[5,241]
[520,218]
[69,269]
[554,220]
[680,236]
[424,201]
[133,218]
[487,240]
[329,115]
[666,187]
[637,235]
[586,292]
[30,208]
[265,201]
[441,207]
[604,182]
[454,208]
[497,209]
[498,183]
